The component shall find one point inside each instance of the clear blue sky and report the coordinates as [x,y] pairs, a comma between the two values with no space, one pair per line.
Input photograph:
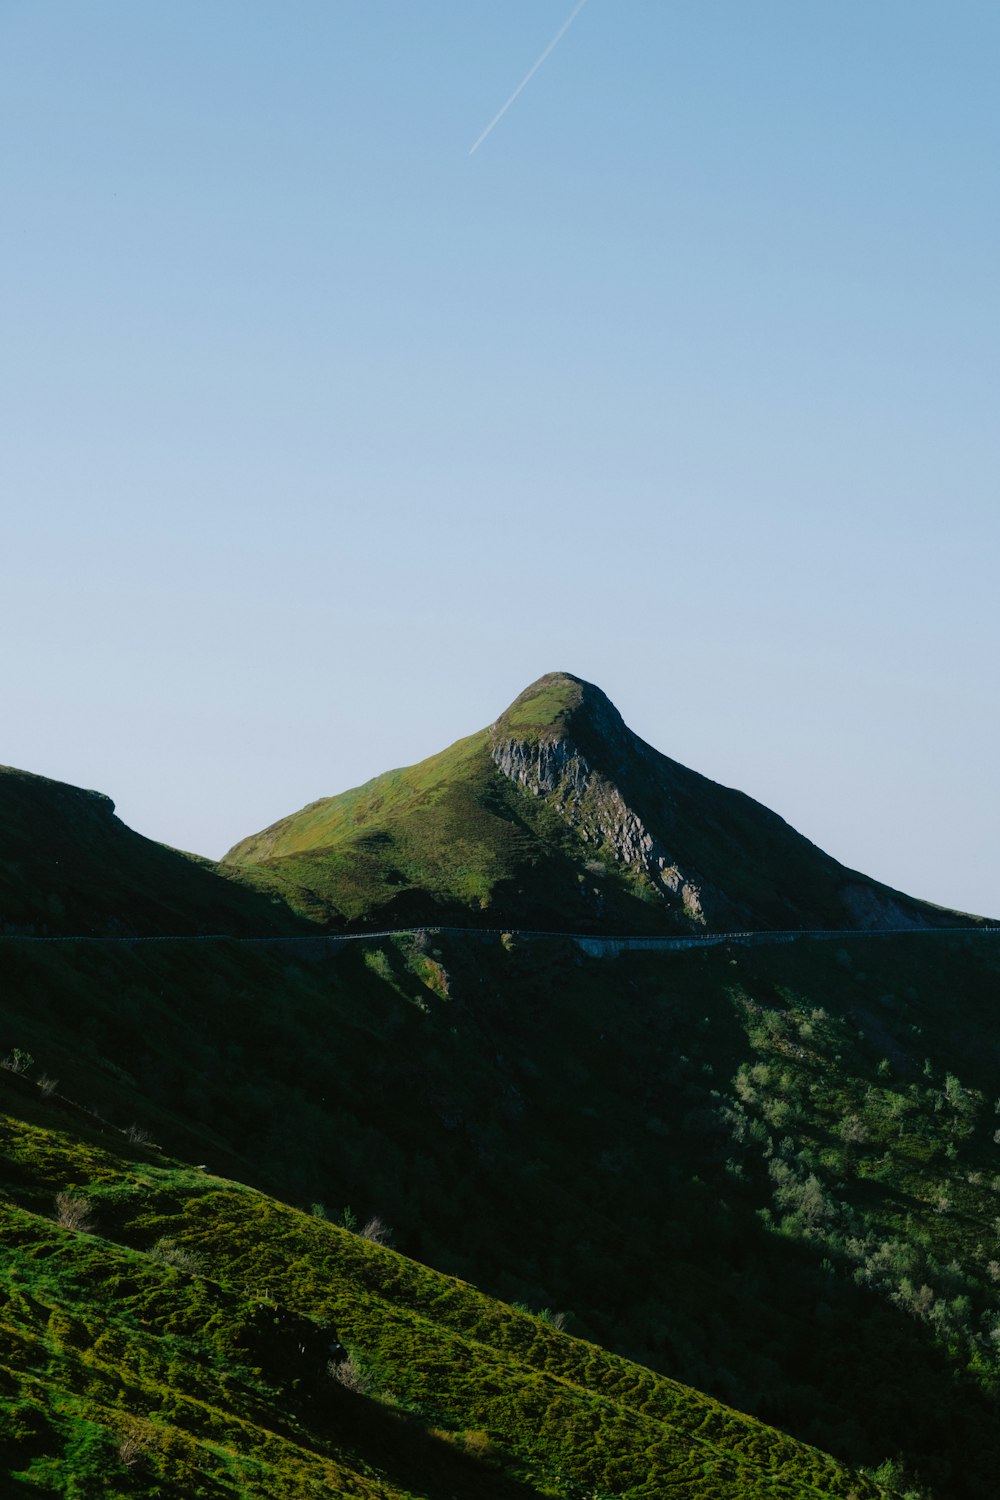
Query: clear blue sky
[322,438]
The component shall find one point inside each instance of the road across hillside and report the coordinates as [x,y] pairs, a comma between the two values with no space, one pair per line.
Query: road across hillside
[594,944]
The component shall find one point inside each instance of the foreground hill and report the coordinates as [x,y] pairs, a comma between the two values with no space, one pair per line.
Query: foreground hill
[164,1333]
[68,865]
[769,1172]
[559,816]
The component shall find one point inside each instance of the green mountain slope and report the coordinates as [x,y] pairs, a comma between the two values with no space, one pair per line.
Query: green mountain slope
[177,1345]
[768,1172]
[558,816]
[68,865]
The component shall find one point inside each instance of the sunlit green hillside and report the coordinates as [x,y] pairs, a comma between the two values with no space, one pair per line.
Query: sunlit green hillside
[167,1333]
[558,816]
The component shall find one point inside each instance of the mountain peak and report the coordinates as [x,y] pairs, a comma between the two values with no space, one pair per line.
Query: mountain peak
[556,705]
[559,816]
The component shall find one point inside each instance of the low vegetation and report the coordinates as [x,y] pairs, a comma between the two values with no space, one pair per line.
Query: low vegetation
[455,839]
[69,866]
[769,1173]
[184,1350]
[734,1211]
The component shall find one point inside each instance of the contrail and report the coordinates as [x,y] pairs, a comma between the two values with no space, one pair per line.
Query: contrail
[531,72]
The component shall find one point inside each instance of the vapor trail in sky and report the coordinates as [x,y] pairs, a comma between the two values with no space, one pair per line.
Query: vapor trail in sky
[531,72]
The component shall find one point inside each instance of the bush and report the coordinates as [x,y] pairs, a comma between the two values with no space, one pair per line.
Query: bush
[133,1446]
[73,1212]
[376,1230]
[349,1374]
[169,1253]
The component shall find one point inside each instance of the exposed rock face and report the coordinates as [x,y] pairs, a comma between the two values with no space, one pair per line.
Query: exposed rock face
[543,767]
[594,806]
[559,815]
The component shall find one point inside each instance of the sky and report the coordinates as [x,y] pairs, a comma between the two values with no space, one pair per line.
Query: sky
[321,437]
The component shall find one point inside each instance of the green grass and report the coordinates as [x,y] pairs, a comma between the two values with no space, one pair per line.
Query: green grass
[100,1343]
[769,1175]
[546,708]
[453,839]
[596,1137]
[449,838]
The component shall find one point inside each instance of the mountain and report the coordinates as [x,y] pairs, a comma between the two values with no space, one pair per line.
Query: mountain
[758,1181]
[69,866]
[559,816]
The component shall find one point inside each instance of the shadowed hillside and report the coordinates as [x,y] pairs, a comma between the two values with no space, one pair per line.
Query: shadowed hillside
[68,865]
[754,1178]
[768,1172]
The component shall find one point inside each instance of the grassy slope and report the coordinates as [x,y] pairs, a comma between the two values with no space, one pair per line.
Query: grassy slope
[68,865]
[770,1172]
[217,1378]
[454,837]
[448,839]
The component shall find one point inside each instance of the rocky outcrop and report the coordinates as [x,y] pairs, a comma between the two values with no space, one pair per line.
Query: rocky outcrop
[594,806]
[543,767]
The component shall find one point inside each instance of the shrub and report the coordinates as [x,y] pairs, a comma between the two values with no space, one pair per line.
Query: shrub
[73,1212]
[349,1374]
[169,1253]
[376,1230]
[476,1442]
[377,960]
[133,1446]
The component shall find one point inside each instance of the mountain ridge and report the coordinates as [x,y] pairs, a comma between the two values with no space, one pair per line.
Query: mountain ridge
[69,865]
[766,1170]
[559,783]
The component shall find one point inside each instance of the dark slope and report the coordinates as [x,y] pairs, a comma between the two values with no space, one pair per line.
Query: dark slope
[69,866]
[767,1171]
[559,816]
